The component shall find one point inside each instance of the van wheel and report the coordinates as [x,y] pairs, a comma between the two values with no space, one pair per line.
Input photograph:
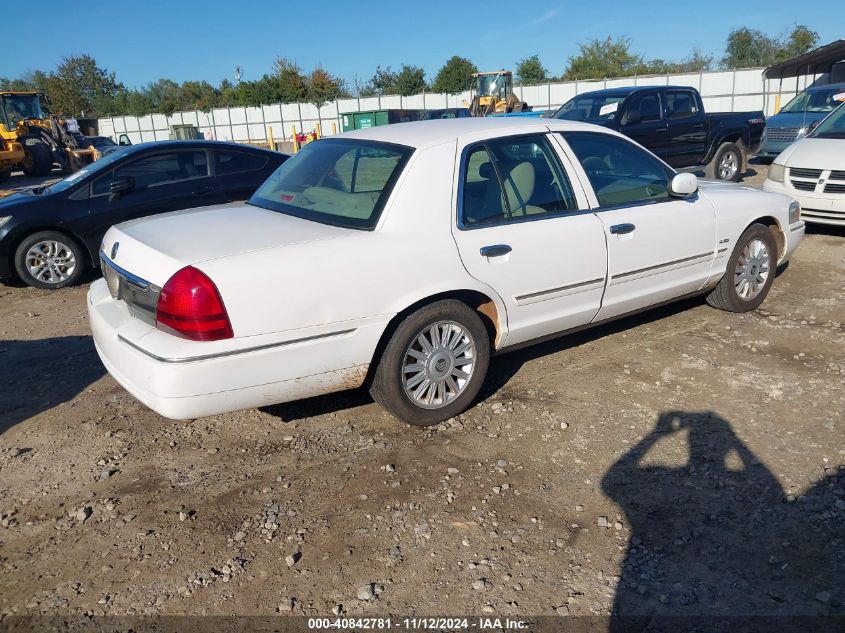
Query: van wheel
[750,272]
[434,364]
[727,163]
[49,260]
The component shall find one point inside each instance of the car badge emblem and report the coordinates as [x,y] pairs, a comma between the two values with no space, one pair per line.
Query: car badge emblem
[821,181]
[114,248]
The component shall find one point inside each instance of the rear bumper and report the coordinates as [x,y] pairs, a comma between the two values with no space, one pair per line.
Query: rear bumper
[196,386]
[817,208]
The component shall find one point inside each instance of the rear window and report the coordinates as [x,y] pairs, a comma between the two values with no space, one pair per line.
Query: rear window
[334,181]
[234,162]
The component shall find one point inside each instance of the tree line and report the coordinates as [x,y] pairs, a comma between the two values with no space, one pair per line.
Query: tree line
[79,86]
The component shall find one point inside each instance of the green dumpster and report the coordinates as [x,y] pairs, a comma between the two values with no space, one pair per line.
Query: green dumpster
[371,118]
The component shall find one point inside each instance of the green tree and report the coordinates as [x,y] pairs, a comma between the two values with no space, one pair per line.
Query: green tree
[530,71]
[21,84]
[323,87]
[604,58]
[455,75]
[80,86]
[798,41]
[696,62]
[410,80]
[746,48]
[293,84]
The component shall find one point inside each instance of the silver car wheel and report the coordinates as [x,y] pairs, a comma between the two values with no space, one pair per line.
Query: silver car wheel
[438,365]
[752,270]
[728,166]
[50,261]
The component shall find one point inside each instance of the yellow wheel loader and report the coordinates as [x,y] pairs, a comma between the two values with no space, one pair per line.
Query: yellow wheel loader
[34,139]
[494,94]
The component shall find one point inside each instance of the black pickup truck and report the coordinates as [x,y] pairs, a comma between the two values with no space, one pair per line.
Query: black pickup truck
[671,122]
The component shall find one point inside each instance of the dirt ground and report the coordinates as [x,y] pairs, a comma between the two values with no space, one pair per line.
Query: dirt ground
[683,462]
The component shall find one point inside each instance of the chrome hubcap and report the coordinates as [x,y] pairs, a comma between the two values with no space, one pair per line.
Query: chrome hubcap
[438,365]
[728,166]
[50,261]
[752,270]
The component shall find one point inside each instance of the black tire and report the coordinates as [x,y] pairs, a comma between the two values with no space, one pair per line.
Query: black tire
[5,175]
[387,386]
[64,275]
[725,295]
[38,161]
[733,152]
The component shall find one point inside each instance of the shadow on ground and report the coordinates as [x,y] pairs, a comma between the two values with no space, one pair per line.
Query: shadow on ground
[716,537]
[38,375]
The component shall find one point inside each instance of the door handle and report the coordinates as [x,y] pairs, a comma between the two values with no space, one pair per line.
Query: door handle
[622,229]
[495,250]
[201,190]
[662,130]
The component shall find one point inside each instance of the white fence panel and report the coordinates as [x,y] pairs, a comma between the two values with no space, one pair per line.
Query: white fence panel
[717,84]
[651,81]
[722,91]
[392,102]
[414,102]
[369,103]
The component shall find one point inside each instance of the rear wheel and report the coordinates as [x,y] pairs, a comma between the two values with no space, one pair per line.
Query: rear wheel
[727,163]
[750,272]
[49,260]
[434,364]
[37,161]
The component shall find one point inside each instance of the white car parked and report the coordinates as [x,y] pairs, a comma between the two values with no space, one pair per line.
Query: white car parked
[812,171]
[403,256]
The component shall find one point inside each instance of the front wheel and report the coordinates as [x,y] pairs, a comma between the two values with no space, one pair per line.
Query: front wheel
[434,364]
[37,160]
[49,260]
[750,272]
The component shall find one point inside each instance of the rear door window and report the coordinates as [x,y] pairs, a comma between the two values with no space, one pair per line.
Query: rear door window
[516,178]
[680,104]
[234,162]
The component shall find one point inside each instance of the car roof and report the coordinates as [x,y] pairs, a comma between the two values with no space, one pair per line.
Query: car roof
[837,86]
[421,134]
[629,90]
[193,144]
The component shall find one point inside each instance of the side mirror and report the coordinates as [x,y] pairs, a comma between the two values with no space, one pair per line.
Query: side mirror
[683,185]
[119,186]
[633,116]
[123,139]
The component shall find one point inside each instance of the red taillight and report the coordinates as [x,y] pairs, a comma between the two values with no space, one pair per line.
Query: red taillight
[190,306]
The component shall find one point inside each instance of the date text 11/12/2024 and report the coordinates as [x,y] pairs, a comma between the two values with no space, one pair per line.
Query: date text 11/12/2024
[420,624]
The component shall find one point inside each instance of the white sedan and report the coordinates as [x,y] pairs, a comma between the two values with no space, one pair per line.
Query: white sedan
[403,256]
[812,171]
